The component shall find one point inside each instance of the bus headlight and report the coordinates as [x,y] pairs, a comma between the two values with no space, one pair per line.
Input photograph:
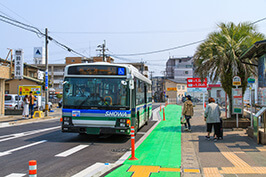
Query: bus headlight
[124,122]
[66,120]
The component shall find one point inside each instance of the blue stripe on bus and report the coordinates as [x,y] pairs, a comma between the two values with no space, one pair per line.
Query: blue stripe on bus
[95,111]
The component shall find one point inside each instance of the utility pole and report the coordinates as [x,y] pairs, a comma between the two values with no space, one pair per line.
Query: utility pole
[151,74]
[102,49]
[46,72]
[142,66]
[164,91]
[11,60]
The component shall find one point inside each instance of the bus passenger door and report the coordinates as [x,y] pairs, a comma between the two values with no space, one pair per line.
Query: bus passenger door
[146,105]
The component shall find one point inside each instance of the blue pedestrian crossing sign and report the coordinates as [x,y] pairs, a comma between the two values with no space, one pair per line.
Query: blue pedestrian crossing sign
[121,71]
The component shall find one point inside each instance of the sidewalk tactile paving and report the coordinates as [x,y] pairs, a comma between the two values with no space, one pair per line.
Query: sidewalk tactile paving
[211,172]
[143,171]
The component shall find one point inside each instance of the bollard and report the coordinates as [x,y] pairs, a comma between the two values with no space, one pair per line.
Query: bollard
[160,108]
[132,144]
[32,168]
[163,115]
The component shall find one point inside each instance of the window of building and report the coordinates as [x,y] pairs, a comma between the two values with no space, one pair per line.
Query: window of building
[186,72]
[218,93]
[180,61]
[183,87]
[179,87]
[31,74]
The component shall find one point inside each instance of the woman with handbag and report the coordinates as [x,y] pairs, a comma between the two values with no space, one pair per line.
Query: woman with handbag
[212,117]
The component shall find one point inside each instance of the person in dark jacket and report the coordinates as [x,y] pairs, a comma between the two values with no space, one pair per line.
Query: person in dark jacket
[31,105]
[188,112]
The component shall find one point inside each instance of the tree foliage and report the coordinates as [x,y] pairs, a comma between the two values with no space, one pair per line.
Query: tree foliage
[218,57]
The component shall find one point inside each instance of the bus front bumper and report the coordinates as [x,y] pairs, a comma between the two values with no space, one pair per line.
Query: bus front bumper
[96,130]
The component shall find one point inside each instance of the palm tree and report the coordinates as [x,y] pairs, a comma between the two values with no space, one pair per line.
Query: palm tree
[218,57]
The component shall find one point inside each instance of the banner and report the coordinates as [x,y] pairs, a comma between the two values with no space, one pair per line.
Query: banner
[25,90]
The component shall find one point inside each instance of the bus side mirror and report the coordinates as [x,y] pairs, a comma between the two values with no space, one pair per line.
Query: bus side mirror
[131,84]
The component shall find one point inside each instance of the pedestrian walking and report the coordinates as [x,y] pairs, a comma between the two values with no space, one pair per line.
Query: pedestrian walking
[26,102]
[31,103]
[212,117]
[188,112]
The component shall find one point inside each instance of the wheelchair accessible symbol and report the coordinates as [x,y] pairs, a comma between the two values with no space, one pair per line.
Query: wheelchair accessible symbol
[121,71]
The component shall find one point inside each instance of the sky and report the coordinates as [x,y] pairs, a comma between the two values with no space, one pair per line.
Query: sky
[127,26]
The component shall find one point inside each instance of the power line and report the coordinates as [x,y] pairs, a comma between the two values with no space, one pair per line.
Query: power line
[13,12]
[178,47]
[131,32]
[159,51]
[258,21]
[36,31]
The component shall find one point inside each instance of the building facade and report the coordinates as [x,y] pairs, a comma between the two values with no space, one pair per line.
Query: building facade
[179,68]
[30,77]
[4,75]
[175,90]
[157,88]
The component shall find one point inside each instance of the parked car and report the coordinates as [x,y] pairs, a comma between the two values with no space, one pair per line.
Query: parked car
[13,101]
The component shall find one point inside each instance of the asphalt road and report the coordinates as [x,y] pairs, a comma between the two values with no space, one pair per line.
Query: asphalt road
[57,153]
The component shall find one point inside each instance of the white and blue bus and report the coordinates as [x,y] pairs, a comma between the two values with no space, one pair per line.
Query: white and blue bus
[105,98]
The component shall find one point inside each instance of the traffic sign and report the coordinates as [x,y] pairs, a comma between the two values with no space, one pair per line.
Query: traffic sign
[236,81]
[251,80]
[196,83]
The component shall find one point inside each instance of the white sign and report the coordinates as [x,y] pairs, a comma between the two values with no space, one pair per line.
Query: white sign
[196,89]
[237,100]
[38,52]
[236,81]
[19,66]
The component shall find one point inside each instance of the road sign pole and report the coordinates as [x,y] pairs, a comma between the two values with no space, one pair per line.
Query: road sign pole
[237,115]
[203,100]
[251,108]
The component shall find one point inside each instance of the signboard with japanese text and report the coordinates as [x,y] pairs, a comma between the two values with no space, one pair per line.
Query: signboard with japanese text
[237,100]
[25,90]
[19,67]
[236,81]
[171,89]
[196,83]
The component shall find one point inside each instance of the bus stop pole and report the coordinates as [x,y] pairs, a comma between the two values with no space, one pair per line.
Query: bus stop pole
[46,72]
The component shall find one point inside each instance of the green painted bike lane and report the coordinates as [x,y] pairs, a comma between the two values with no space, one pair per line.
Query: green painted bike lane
[159,155]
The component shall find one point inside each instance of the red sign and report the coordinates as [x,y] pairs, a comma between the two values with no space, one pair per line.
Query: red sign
[196,83]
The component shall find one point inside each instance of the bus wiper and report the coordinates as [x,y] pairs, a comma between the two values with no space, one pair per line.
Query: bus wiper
[83,102]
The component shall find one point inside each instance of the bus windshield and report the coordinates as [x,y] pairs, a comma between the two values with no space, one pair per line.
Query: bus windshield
[82,93]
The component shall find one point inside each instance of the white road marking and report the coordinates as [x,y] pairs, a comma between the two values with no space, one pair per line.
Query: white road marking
[18,135]
[141,133]
[22,147]
[16,175]
[71,151]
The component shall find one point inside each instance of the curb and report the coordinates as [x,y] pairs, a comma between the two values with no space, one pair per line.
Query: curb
[26,121]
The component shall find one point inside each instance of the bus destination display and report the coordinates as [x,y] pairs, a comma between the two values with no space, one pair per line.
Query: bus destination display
[96,70]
